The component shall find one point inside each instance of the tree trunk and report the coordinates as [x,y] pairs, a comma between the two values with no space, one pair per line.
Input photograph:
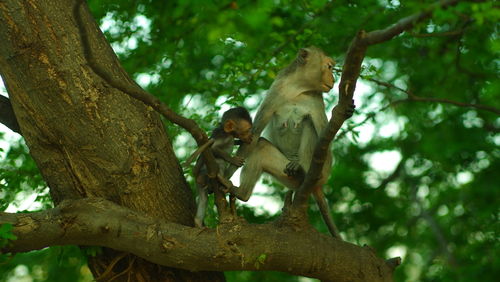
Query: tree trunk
[89,139]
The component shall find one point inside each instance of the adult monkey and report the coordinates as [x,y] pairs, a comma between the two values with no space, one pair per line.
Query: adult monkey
[294,114]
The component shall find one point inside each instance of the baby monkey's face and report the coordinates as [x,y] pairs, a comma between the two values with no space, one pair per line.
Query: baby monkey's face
[243,131]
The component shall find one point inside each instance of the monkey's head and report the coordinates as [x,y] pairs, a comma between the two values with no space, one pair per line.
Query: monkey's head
[238,123]
[313,68]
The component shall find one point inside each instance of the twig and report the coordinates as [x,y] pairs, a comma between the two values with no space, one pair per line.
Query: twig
[438,34]
[127,270]
[459,104]
[110,267]
[413,97]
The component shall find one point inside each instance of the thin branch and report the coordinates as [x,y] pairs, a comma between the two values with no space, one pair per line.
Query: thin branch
[413,97]
[97,222]
[132,89]
[350,74]
[459,104]
[7,116]
[379,36]
[109,269]
[438,34]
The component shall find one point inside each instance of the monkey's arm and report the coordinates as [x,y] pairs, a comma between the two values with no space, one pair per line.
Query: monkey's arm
[243,152]
[318,116]
[264,114]
[222,148]
[290,143]
[221,154]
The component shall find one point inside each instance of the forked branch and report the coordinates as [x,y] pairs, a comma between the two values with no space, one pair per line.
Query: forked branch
[350,74]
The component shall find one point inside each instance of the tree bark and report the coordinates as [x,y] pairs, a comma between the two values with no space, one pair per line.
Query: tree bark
[88,139]
[232,246]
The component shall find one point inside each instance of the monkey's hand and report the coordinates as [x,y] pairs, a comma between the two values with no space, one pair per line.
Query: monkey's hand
[294,169]
[237,161]
[350,111]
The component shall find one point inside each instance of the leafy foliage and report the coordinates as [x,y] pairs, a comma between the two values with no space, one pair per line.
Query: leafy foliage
[412,178]
[51,264]
[6,234]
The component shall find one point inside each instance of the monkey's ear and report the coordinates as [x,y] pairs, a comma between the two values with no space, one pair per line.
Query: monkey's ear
[229,126]
[302,56]
[303,52]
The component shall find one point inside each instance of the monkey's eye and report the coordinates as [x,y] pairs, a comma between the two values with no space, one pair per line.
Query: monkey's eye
[330,66]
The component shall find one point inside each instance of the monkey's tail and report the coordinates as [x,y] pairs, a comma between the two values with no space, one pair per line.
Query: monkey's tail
[197,153]
[325,212]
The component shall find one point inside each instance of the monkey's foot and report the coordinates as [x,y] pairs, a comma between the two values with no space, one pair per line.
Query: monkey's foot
[294,169]
[198,222]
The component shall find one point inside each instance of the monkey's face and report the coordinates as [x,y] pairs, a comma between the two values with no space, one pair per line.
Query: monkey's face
[327,79]
[243,131]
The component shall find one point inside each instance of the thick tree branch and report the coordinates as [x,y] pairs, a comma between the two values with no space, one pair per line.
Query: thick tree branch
[236,246]
[350,74]
[7,116]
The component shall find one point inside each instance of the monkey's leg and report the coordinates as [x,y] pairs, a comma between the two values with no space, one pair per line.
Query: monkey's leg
[274,162]
[251,172]
[265,158]
[202,204]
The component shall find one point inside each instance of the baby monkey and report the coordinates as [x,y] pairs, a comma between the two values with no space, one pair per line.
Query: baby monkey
[236,123]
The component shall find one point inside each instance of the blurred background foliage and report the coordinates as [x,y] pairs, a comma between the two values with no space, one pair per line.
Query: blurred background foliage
[413,177]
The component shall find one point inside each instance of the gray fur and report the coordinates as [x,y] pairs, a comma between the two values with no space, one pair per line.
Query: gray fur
[293,112]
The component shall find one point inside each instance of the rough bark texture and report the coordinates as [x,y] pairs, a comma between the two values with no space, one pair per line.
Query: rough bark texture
[232,246]
[88,139]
